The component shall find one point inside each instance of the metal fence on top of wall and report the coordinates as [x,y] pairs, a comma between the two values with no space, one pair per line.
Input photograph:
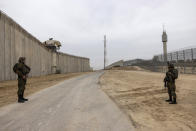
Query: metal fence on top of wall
[182,55]
[184,60]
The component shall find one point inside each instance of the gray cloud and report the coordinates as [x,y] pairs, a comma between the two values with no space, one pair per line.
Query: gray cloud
[133,27]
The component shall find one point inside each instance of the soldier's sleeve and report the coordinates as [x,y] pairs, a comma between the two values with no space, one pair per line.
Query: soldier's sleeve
[172,75]
[165,79]
[28,69]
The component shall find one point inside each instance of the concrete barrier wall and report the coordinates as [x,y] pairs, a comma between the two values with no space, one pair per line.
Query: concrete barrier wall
[16,42]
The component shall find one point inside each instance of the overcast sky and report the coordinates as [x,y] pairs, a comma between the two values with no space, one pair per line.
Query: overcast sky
[133,27]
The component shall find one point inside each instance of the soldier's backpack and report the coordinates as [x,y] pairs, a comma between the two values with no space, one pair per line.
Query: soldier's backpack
[175,72]
[15,67]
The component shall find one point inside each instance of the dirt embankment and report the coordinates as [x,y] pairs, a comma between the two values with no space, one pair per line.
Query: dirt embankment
[8,89]
[129,68]
[142,96]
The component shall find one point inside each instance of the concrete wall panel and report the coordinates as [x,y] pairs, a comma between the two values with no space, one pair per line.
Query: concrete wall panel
[7,50]
[26,46]
[23,43]
[15,42]
[13,59]
[30,54]
[33,59]
[37,60]
[2,47]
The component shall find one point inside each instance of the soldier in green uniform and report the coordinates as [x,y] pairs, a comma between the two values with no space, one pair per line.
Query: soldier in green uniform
[169,79]
[22,70]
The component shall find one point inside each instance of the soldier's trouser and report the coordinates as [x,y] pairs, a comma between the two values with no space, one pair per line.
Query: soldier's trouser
[21,86]
[172,90]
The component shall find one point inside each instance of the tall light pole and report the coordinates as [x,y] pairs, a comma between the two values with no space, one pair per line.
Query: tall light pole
[104,51]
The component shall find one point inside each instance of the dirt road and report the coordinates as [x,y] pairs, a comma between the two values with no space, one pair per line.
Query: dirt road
[142,96]
[77,104]
[8,89]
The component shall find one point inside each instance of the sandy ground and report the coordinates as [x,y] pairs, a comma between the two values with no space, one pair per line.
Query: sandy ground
[129,68]
[8,89]
[141,96]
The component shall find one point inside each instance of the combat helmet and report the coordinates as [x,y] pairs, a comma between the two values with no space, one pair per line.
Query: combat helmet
[21,59]
[171,65]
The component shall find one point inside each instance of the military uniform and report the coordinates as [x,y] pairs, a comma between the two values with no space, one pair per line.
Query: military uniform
[170,80]
[22,71]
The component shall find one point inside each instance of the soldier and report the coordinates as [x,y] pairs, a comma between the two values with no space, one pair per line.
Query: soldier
[22,71]
[170,78]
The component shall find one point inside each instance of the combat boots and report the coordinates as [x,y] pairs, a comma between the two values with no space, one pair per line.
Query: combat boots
[170,99]
[20,100]
[24,99]
[173,102]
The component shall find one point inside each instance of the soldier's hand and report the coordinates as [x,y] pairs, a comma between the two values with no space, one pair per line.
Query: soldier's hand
[24,77]
[168,73]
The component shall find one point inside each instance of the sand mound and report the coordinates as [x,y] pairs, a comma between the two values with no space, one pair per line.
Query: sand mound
[135,68]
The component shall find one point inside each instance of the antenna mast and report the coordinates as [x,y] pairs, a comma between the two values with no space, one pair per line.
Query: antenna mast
[163,27]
